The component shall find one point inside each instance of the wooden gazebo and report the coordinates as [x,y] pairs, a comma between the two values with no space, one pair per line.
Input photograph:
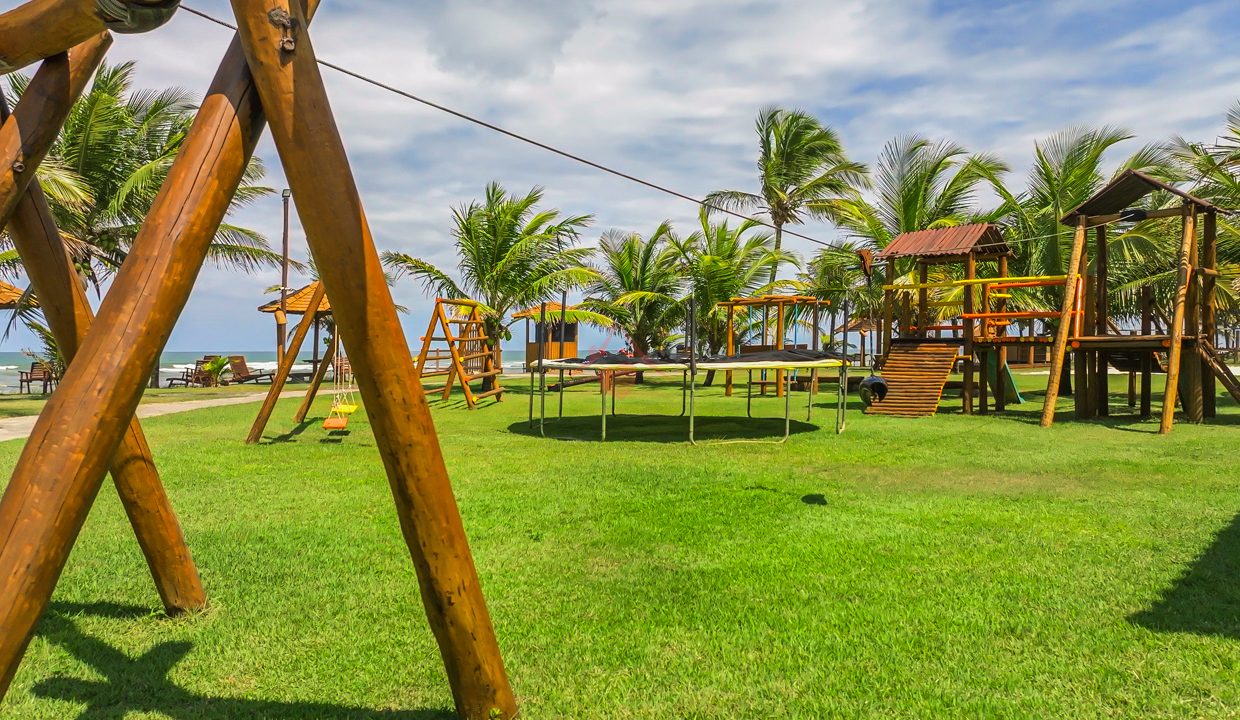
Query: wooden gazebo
[1193,364]
[558,339]
[775,310]
[298,303]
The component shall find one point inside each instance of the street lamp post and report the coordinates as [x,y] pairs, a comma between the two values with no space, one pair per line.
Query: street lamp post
[282,319]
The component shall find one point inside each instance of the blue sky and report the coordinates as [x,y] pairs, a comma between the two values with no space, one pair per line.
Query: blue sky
[669,90]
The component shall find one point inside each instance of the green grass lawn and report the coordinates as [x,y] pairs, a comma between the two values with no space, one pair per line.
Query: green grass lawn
[947,567]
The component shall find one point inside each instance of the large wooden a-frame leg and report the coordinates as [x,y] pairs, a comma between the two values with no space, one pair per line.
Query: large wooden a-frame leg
[285,367]
[29,132]
[42,28]
[1175,353]
[316,381]
[1064,331]
[288,80]
[63,301]
[62,466]
[68,314]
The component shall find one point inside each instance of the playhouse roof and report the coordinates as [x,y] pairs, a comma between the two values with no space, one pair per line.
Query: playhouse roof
[298,301]
[1127,188]
[958,241]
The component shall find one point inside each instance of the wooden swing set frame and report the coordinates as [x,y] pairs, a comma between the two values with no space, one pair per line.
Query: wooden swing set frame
[269,76]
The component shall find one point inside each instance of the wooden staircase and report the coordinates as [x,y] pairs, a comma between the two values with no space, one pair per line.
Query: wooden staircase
[1220,369]
[916,373]
[467,352]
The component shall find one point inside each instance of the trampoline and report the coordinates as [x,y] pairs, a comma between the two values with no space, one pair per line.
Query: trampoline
[608,365]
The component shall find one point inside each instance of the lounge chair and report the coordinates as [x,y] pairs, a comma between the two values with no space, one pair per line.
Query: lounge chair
[194,376]
[38,373]
[241,372]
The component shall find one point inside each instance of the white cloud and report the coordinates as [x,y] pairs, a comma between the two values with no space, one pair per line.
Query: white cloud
[668,91]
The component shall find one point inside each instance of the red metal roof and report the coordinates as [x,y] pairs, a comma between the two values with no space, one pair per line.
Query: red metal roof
[980,239]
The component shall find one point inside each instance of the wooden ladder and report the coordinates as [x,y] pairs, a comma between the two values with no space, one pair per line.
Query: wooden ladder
[467,346]
[1220,369]
[916,373]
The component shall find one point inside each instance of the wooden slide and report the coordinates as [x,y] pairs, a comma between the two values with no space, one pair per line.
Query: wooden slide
[916,373]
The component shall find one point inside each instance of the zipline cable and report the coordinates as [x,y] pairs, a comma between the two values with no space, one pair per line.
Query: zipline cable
[528,140]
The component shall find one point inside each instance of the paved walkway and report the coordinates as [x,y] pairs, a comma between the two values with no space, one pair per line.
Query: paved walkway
[20,427]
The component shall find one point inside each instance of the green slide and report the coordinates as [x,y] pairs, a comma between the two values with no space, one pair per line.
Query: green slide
[1011,395]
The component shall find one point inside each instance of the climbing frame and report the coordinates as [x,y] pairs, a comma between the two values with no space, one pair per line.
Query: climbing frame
[466,350]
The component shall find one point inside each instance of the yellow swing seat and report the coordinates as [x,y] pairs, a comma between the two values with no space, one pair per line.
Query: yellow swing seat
[345,409]
[336,422]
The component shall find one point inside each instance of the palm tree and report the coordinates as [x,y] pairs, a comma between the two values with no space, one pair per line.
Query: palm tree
[722,262]
[512,256]
[637,286]
[921,184]
[801,163]
[835,275]
[109,161]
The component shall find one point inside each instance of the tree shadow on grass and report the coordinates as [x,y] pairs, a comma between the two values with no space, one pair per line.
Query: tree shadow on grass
[141,684]
[1205,599]
[664,428]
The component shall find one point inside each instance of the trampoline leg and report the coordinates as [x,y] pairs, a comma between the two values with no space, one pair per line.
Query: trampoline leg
[787,378]
[602,394]
[531,398]
[692,408]
[841,400]
[809,405]
[749,396]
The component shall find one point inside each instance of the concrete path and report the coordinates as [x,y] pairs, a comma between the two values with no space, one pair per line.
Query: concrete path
[20,427]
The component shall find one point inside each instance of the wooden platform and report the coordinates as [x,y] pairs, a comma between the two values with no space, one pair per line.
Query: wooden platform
[916,373]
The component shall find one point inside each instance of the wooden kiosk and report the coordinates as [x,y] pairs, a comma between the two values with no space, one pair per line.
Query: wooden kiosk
[557,337]
[776,312]
[269,77]
[921,352]
[1193,365]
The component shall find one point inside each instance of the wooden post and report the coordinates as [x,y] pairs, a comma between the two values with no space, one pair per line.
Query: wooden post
[1209,310]
[65,306]
[314,161]
[61,468]
[1001,362]
[1083,359]
[29,132]
[1065,326]
[320,371]
[286,366]
[1176,331]
[42,28]
[1191,380]
[1102,385]
[779,345]
[970,272]
[889,301]
[923,297]
[1147,359]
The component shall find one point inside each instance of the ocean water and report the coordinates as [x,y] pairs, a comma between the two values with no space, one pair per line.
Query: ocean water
[172,364]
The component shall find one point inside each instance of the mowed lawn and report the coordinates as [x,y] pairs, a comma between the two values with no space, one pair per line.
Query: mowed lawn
[940,568]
